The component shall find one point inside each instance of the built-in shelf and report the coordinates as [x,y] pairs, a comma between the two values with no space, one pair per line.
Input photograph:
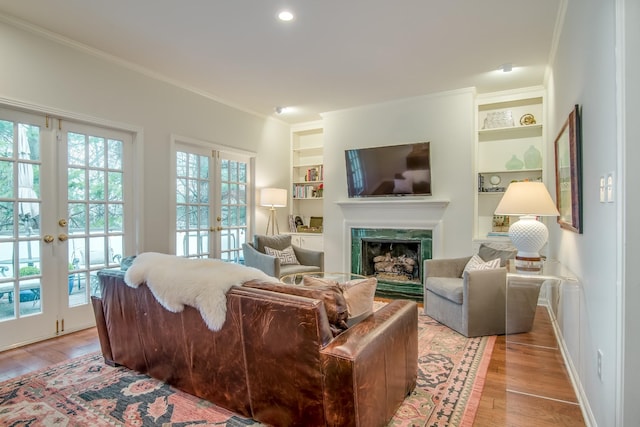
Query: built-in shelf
[502,149]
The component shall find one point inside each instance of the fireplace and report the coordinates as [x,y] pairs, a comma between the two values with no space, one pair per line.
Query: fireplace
[394,256]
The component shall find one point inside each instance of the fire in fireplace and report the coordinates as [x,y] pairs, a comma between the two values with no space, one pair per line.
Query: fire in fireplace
[394,256]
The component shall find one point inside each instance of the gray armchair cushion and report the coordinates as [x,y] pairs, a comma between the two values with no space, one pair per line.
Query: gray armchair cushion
[447,287]
[278,241]
[451,267]
[293,268]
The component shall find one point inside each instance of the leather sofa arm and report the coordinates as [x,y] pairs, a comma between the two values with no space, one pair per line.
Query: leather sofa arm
[370,368]
[309,257]
[256,259]
[448,267]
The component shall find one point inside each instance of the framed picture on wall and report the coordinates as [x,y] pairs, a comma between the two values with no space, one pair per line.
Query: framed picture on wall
[569,173]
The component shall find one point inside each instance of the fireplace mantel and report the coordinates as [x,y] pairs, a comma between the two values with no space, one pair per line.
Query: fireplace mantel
[392,203]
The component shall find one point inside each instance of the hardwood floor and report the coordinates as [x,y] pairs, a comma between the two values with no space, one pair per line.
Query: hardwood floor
[33,357]
[526,385]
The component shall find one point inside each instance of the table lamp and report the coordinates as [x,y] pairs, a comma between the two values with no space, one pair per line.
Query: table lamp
[528,200]
[274,198]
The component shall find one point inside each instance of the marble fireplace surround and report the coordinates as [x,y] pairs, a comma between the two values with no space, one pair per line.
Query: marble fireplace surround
[403,213]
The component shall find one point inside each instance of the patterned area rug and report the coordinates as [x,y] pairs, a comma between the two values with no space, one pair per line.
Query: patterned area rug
[86,392]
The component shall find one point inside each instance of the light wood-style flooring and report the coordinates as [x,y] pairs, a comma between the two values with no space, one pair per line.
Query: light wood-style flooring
[527,382]
[526,385]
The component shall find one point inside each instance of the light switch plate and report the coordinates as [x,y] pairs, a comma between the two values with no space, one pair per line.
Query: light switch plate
[610,188]
[603,197]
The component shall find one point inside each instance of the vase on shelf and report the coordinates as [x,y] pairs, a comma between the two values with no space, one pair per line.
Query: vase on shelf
[514,163]
[532,158]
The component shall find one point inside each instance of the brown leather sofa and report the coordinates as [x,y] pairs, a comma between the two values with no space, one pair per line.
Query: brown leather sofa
[274,360]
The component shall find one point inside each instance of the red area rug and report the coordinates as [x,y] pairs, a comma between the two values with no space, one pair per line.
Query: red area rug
[86,392]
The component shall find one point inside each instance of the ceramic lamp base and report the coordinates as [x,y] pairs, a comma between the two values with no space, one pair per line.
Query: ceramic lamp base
[528,235]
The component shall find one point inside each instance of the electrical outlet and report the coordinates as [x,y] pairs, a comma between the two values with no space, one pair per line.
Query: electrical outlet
[599,362]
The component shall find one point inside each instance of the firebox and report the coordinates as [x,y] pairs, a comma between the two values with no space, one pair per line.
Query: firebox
[394,256]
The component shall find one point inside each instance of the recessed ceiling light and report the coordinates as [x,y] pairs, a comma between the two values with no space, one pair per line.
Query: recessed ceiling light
[282,110]
[285,15]
[506,67]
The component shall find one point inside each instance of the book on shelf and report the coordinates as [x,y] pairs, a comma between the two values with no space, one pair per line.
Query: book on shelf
[315,173]
[498,234]
[305,191]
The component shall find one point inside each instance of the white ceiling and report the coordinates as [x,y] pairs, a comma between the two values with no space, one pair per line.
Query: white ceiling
[335,54]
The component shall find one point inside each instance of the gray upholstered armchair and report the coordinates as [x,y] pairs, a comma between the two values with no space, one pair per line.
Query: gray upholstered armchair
[255,256]
[473,303]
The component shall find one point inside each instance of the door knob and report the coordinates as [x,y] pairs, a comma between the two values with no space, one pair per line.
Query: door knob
[62,222]
[62,237]
[48,238]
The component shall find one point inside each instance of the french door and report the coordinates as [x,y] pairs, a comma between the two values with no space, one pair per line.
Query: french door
[62,218]
[211,204]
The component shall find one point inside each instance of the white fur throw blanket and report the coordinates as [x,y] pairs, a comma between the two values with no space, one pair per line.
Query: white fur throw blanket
[201,283]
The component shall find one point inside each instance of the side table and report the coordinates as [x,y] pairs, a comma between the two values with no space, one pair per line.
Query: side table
[523,292]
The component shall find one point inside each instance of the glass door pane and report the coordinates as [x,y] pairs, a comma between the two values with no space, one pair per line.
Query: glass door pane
[234,181]
[20,263]
[95,207]
[192,205]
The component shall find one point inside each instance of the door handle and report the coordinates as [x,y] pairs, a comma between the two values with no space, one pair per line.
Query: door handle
[63,237]
[48,238]
[62,222]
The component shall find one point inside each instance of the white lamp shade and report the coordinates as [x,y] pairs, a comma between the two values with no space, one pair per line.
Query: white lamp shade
[273,197]
[527,198]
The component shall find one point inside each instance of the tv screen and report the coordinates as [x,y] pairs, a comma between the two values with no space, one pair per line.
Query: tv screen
[394,170]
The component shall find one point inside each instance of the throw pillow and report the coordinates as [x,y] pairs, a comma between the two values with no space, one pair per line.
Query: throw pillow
[477,263]
[358,293]
[277,241]
[286,256]
[334,303]
[487,253]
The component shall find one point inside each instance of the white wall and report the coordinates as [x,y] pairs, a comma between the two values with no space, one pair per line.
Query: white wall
[447,121]
[47,74]
[584,72]
[630,159]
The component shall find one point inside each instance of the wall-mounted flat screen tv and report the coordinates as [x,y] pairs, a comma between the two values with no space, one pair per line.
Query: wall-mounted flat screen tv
[394,170]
